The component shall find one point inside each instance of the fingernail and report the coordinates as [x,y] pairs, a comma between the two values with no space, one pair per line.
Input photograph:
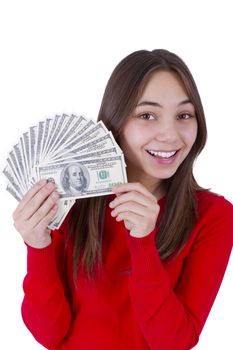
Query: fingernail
[111,204]
[50,185]
[50,179]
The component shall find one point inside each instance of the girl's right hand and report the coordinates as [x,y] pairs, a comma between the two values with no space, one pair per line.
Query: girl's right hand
[35,212]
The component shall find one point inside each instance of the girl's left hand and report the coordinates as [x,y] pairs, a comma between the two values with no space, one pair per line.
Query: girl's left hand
[137,207]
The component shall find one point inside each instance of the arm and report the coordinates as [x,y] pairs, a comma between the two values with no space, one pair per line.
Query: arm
[173,319]
[46,308]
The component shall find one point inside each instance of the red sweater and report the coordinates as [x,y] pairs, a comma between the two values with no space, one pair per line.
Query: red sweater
[136,301]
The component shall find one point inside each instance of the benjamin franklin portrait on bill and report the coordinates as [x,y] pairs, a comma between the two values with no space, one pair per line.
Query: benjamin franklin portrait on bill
[75,179]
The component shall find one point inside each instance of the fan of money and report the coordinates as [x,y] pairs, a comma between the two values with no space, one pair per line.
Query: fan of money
[79,155]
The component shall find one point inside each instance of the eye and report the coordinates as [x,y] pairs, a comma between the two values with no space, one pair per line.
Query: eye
[146,116]
[185,116]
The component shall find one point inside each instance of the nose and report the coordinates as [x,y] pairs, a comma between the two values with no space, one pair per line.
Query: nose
[165,131]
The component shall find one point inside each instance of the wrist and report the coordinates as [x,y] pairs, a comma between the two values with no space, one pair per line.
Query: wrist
[39,242]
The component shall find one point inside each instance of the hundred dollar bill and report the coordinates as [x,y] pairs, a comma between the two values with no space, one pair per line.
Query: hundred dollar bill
[10,168]
[80,155]
[57,130]
[62,130]
[19,159]
[96,131]
[52,129]
[14,165]
[13,192]
[32,143]
[76,128]
[104,142]
[47,127]
[25,142]
[85,178]
[12,180]
[64,206]
[39,139]
[72,156]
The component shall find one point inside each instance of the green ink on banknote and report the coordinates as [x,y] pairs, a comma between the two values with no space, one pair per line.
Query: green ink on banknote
[103,174]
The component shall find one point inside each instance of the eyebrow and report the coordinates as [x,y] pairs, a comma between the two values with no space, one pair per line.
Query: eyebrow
[156,104]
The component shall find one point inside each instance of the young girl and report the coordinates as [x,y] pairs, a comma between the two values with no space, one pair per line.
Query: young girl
[138,269]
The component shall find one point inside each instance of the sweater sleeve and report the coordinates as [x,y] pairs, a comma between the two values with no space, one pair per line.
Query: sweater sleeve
[46,308]
[173,318]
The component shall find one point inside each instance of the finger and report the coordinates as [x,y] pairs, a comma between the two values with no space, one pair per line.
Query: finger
[43,210]
[130,207]
[37,201]
[28,196]
[133,196]
[48,218]
[132,186]
[135,224]
[128,224]
[133,218]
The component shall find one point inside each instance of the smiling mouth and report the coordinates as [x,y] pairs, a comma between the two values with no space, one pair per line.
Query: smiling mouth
[162,154]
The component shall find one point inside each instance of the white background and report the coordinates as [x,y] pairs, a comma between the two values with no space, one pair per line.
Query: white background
[56,56]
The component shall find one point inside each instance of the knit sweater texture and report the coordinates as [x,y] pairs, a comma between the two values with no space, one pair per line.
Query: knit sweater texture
[135,300]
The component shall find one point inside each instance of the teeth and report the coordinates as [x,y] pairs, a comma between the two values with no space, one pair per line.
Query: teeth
[162,154]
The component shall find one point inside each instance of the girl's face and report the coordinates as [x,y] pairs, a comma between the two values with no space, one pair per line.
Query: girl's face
[161,131]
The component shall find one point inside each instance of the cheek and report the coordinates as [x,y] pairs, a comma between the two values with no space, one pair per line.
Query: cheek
[128,137]
[134,134]
[189,135]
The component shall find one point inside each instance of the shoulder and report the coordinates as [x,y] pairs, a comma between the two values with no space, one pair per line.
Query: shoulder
[210,202]
[215,215]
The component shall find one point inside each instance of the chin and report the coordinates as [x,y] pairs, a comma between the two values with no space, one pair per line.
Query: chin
[162,174]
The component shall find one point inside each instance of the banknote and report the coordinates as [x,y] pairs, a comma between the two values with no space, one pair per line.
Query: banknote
[64,206]
[87,178]
[79,154]
[72,156]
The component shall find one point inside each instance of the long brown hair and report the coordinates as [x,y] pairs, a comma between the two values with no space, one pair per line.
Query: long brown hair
[123,90]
